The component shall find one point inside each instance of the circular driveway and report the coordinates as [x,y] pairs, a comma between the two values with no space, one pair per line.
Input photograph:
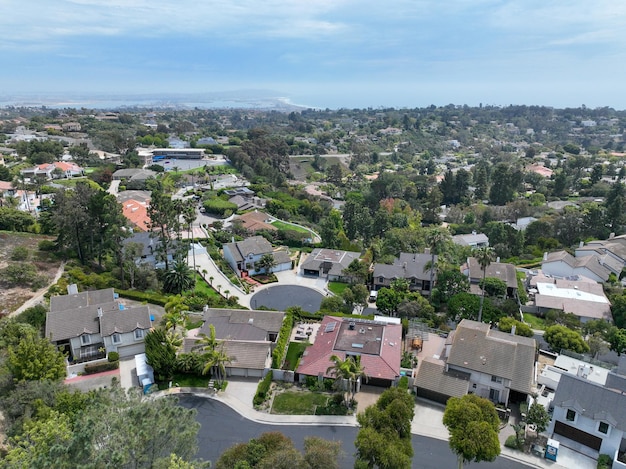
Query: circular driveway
[281,297]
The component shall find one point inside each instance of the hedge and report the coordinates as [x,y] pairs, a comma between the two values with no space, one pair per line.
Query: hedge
[152,298]
[262,389]
[100,367]
[278,355]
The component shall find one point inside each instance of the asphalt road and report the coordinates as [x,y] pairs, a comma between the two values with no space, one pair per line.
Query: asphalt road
[222,427]
[281,297]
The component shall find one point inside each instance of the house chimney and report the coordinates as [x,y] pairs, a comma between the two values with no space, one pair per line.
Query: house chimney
[99,312]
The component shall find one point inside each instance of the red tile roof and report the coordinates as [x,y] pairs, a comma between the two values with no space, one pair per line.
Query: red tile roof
[382,363]
[137,213]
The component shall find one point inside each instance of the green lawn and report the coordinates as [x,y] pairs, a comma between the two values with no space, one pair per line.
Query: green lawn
[286,226]
[534,321]
[294,352]
[298,403]
[203,287]
[184,380]
[337,287]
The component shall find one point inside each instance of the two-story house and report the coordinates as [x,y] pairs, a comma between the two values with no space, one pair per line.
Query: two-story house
[499,270]
[243,256]
[89,325]
[412,267]
[328,263]
[562,264]
[590,417]
[499,366]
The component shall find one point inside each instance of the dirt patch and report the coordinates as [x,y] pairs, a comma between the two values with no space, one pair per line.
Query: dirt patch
[12,297]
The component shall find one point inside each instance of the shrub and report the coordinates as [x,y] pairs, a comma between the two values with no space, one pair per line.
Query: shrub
[113,356]
[403,383]
[511,442]
[262,389]
[47,245]
[35,316]
[153,298]
[20,253]
[604,461]
[100,367]
[278,354]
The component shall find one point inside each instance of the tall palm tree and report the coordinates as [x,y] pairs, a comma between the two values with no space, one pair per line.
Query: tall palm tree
[484,256]
[214,358]
[189,215]
[179,278]
[175,313]
[348,370]
[436,239]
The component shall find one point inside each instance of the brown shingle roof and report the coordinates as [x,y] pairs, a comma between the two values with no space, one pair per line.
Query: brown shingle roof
[431,375]
[477,347]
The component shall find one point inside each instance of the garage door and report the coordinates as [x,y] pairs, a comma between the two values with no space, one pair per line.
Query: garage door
[432,395]
[131,350]
[578,436]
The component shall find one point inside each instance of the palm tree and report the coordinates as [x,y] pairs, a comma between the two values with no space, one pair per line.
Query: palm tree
[349,370]
[214,358]
[175,313]
[484,256]
[436,239]
[178,279]
[189,215]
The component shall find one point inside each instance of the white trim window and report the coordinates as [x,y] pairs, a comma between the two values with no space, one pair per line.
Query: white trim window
[138,334]
[116,338]
[604,428]
[85,339]
[570,415]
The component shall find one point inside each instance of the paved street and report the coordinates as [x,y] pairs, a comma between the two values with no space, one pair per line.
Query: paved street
[222,427]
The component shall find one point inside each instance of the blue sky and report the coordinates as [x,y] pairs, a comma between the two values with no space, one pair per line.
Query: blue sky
[322,53]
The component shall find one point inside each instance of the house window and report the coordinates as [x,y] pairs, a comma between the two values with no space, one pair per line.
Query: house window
[85,339]
[381,280]
[138,334]
[494,395]
[116,338]
[570,415]
[496,379]
[603,427]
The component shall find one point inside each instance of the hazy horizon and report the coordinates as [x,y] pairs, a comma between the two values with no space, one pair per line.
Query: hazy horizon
[322,54]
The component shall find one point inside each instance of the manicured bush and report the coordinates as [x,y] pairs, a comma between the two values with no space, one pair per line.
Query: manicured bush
[113,357]
[403,383]
[278,355]
[100,367]
[604,461]
[511,442]
[263,389]
[153,298]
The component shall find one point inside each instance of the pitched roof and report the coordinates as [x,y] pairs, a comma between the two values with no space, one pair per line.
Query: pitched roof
[475,346]
[92,312]
[236,322]
[137,213]
[592,400]
[334,260]
[406,266]
[256,245]
[125,320]
[380,355]
[591,263]
[431,375]
[505,272]
[252,355]
[254,221]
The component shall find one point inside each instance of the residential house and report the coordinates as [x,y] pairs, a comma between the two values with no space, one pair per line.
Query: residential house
[255,221]
[473,240]
[577,295]
[71,127]
[611,253]
[499,270]
[590,417]
[58,169]
[328,263]
[242,256]
[136,175]
[377,343]
[496,365]
[248,338]
[562,264]
[137,213]
[411,267]
[540,169]
[522,223]
[149,250]
[90,324]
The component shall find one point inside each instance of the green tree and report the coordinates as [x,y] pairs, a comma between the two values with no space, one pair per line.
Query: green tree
[322,454]
[560,337]
[484,256]
[449,283]
[617,341]
[175,313]
[538,416]
[473,425]
[35,358]
[388,300]
[503,186]
[384,438]
[266,263]
[347,373]
[357,271]
[122,430]
[493,286]
[161,354]
[506,324]
[437,240]
[179,278]
[163,222]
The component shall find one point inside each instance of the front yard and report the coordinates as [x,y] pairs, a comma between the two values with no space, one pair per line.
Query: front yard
[304,402]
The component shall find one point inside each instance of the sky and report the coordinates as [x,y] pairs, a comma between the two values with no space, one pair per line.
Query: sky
[322,53]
